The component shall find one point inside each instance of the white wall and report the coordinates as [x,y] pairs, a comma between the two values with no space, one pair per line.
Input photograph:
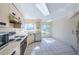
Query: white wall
[64,30]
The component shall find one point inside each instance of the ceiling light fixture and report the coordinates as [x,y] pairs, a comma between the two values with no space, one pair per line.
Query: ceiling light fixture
[43,8]
[49,20]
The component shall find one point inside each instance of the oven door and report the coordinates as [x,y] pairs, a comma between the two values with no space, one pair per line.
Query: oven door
[4,39]
[1,43]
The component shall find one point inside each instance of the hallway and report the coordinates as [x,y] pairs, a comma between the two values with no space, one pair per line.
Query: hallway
[49,46]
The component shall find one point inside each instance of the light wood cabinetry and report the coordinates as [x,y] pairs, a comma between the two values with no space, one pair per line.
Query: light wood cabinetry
[15,16]
[17,50]
[30,39]
[5,10]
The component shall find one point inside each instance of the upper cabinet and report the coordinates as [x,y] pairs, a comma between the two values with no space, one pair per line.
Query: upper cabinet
[4,8]
[15,16]
[10,15]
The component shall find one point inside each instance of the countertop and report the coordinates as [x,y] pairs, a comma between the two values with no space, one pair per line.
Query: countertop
[7,50]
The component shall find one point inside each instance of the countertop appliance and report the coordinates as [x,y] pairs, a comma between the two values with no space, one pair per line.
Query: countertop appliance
[12,36]
[4,37]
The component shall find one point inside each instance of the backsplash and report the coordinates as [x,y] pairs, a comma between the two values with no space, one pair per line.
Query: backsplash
[17,30]
[6,29]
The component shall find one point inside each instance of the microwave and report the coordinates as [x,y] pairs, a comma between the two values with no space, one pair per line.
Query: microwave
[4,39]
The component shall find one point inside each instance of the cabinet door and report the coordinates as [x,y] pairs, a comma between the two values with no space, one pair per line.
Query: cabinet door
[17,51]
[14,9]
[4,12]
[30,39]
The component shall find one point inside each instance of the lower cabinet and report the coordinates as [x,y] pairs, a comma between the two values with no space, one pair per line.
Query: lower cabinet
[30,39]
[20,49]
[16,51]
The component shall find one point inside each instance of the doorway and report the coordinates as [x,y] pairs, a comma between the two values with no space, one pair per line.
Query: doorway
[46,29]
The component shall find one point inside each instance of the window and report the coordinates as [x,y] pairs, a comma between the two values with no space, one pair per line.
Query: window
[45,28]
[30,27]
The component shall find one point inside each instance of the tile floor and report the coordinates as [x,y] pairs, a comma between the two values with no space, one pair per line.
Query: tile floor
[30,48]
[49,46]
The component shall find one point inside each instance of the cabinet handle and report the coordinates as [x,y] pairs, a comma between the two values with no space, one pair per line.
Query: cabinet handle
[13,53]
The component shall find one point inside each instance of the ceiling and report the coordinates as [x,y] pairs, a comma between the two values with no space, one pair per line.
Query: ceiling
[56,10]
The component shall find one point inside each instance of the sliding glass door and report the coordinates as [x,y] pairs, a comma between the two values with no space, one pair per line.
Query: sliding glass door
[46,29]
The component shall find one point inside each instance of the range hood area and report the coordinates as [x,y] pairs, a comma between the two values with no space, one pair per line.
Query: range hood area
[13,18]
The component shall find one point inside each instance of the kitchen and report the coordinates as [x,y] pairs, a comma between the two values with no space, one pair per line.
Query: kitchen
[39,28]
[16,38]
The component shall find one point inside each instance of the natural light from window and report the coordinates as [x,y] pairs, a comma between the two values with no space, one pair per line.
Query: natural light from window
[29,27]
